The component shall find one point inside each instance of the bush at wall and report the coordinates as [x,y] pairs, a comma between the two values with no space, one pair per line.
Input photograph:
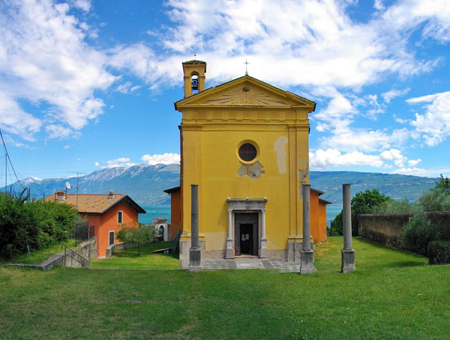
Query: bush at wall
[33,225]
[418,233]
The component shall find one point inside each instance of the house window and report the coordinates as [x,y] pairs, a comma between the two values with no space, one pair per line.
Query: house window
[119,217]
[247,152]
[112,236]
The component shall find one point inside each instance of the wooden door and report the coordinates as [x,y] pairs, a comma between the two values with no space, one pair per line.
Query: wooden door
[246,234]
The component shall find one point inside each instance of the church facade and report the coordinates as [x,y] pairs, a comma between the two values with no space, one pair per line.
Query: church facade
[245,143]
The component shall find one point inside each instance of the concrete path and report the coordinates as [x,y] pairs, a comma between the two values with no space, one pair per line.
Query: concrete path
[247,263]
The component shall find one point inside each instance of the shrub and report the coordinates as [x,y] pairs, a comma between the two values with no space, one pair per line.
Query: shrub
[395,207]
[32,225]
[362,203]
[137,234]
[418,233]
[434,200]
[439,252]
[337,225]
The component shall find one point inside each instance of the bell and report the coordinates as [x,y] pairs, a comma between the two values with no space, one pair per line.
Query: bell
[194,84]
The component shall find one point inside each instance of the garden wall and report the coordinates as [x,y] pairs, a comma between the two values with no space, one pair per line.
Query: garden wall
[87,250]
[114,248]
[385,229]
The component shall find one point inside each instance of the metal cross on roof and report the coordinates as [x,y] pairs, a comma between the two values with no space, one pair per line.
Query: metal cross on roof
[246,65]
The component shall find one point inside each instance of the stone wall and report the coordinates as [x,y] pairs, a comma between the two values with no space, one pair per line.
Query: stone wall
[114,248]
[385,229]
[87,250]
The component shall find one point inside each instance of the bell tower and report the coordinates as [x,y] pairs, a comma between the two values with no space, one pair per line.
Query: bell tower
[194,77]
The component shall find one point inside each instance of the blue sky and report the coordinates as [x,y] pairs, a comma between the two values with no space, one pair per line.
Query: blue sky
[91,84]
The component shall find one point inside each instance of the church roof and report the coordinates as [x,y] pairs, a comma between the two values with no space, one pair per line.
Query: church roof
[259,93]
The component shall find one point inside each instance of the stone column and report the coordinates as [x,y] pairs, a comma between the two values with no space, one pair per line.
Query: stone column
[263,252]
[194,251]
[229,252]
[306,255]
[348,254]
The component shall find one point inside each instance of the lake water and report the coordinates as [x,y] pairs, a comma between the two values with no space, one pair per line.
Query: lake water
[154,211]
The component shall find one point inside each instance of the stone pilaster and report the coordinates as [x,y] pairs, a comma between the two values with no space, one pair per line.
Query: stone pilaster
[348,254]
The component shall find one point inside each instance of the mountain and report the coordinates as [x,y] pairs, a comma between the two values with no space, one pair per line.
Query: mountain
[146,183]
[395,186]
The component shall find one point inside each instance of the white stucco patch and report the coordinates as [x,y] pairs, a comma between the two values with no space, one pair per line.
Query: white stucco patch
[280,149]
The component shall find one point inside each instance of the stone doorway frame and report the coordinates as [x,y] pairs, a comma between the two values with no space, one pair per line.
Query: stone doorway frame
[244,205]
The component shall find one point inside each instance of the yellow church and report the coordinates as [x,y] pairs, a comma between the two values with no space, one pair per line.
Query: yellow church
[245,143]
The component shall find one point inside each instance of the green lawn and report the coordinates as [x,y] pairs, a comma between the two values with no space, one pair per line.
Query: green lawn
[392,295]
[129,259]
[38,256]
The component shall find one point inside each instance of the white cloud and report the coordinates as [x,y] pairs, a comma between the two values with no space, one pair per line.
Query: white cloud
[434,125]
[379,5]
[414,162]
[352,139]
[119,162]
[15,120]
[394,155]
[84,5]
[127,88]
[310,42]
[167,158]
[97,164]
[44,60]
[389,95]
[324,159]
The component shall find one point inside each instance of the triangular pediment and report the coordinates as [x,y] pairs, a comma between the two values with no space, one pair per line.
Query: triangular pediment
[245,91]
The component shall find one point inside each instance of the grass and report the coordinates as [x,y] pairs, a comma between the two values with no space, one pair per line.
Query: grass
[391,295]
[40,255]
[129,259]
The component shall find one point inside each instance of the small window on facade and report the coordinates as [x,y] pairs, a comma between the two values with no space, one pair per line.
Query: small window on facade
[247,152]
[119,217]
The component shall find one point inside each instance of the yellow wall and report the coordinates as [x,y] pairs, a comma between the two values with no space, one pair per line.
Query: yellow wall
[215,122]
[210,160]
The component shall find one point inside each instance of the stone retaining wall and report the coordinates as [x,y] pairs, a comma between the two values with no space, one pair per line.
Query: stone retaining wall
[114,248]
[385,229]
[87,250]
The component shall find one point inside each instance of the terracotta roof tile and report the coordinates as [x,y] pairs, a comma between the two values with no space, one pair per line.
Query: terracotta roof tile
[95,203]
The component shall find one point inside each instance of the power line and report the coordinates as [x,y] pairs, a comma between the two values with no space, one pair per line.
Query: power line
[12,166]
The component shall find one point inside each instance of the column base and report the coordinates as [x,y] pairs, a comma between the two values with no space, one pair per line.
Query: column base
[307,262]
[263,253]
[229,254]
[348,261]
[195,258]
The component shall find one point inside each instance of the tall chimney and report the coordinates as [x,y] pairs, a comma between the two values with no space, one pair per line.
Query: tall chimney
[60,195]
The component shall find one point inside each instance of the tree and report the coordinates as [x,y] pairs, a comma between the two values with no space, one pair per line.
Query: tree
[32,225]
[362,203]
[442,185]
[137,234]
[337,225]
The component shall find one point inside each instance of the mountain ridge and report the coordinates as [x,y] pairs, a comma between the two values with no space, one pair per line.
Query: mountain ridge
[146,183]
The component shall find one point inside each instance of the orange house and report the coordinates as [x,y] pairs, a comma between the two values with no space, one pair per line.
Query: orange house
[318,216]
[106,213]
[175,210]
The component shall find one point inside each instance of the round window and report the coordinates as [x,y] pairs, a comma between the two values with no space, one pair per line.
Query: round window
[247,152]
